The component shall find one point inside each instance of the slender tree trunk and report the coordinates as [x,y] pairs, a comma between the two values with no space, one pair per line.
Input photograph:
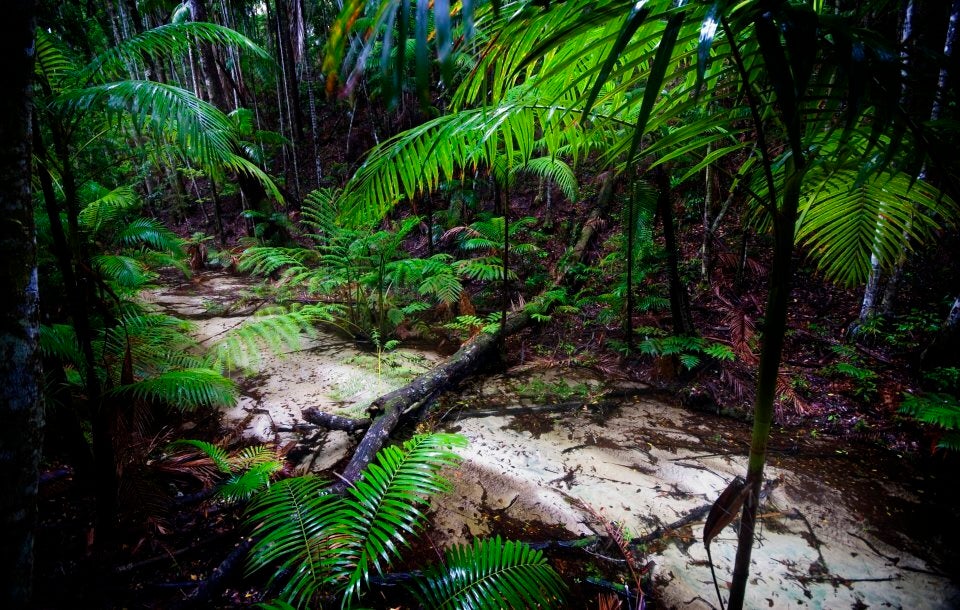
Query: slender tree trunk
[943,81]
[288,66]
[631,230]
[774,332]
[679,301]
[314,122]
[21,435]
[208,63]
[217,214]
[708,199]
[104,454]
[871,294]
[505,304]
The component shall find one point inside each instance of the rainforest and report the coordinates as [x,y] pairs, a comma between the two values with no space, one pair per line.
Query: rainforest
[469,304]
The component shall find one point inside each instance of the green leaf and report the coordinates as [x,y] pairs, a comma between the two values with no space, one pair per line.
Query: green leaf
[185,389]
[490,574]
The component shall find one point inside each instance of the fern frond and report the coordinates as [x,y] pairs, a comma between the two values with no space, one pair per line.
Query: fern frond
[185,389]
[556,170]
[256,455]
[216,453]
[244,485]
[385,506]
[941,410]
[59,342]
[262,260]
[489,575]
[125,271]
[484,269]
[291,517]
[241,347]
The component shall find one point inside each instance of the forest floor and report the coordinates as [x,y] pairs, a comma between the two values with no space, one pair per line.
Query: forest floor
[557,452]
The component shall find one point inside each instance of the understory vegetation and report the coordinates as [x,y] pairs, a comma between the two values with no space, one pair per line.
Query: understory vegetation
[750,206]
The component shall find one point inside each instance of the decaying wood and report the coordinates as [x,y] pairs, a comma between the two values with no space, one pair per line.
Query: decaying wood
[392,406]
[334,422]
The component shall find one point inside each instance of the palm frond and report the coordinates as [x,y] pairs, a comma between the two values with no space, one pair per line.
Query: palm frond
[54,65]
[105,207]
[169,41]
[153,233]
[489,575]
[845,220]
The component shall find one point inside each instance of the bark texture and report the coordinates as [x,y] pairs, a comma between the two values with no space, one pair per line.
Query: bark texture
[21,436]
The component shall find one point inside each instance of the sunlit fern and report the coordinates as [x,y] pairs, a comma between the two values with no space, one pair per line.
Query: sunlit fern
[243,473]
[326,541]
[276,330]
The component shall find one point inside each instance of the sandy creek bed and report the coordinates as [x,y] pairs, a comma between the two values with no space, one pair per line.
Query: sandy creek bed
[635,460]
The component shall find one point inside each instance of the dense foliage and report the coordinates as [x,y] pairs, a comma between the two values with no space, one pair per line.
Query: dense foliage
[398,170]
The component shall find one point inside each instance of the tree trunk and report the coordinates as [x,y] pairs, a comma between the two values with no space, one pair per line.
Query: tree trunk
[208,63]
[679,301]
[943,81]
[291,88]
[871,294]
[708,199]
[774,332]
[21,411]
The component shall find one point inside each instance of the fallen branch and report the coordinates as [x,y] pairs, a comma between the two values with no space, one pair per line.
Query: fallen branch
[334,422]
[215,581]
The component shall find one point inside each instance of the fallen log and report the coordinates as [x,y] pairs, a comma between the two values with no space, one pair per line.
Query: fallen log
[334,422]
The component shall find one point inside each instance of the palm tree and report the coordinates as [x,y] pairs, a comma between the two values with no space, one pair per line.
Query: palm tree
[804,95]
[104,252]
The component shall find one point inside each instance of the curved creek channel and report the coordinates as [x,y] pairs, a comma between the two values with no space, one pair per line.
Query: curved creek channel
[843,528]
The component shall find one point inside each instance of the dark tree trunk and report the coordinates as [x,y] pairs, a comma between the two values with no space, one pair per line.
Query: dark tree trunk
[288,65]
[679,301]
[21,435]
[774,333]
[208,63]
